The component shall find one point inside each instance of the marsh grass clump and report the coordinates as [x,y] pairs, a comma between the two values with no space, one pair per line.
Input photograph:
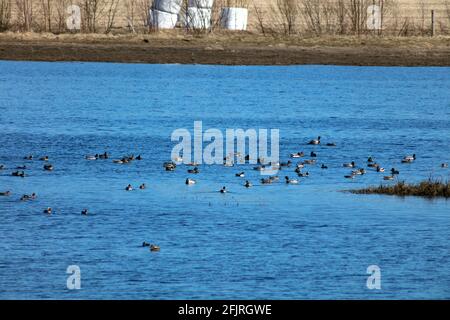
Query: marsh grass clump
[430,188]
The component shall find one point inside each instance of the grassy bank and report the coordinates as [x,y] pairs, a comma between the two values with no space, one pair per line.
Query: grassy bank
[227,49]
[430,188]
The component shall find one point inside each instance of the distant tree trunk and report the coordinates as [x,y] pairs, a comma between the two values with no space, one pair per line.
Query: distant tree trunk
[5,14]
[289,11]
[25,14]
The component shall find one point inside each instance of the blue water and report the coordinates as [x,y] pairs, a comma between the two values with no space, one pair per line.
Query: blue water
[305,241]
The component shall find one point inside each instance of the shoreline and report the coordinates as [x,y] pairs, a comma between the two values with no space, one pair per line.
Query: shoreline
[241,49]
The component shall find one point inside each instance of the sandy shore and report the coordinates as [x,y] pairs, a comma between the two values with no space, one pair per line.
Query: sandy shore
[236,49]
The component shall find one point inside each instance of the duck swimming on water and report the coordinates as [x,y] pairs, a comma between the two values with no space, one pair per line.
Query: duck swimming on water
[190,181]
[143,186]
[349,165]
[48,210]
[84,212]
[290,181]
[223,190]
[315,141]
[18,174]
[48,167]
[5,194]
[409,159]
[297,155]
[194,171]
[247,184]
[129,188]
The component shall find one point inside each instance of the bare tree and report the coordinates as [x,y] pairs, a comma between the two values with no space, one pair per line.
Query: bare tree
[5,14]
[92,10]
[289,12]
[61,13]
[111,12]
[357,12]
[46,9]
[260,19]
[143,10]
[25,14]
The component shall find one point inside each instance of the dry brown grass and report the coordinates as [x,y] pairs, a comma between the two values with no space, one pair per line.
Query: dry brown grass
[430,188]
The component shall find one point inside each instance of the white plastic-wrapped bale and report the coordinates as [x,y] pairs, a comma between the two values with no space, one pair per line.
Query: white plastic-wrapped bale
[234,18]
[205,4]
[163,20]
[169,6]
[198,18]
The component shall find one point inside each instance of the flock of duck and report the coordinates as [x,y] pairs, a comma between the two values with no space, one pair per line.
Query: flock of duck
[262,166]
[299,167]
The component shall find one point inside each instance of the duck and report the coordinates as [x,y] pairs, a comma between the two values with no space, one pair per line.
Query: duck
[223,190]
[139,158]
[143,186]
[266,181]
[26,197]
[44,158]
[315,141]
[303,175]
[240,174]
[351,176]
[48,210]
[29,157]
[2,166]
[259,168]
[290,181]
[388,177]
[145,244]
[324,166]
[48,167]
[408,159]
[194,171]
[128,188]
[18,174]
[190,181]
[380,169]
[313,154]
[297,155]
[349,165]
[310,161]
[444,165]
[169,166]
[286,164]
[21,167]
[84,212]
[154,248]
[300,165]
[394,171]
[247,184]
[331,144]
[91,158]
[105,155]
[370,159]
[5,194]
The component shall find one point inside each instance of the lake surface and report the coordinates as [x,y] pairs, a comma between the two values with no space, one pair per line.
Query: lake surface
[306,241]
